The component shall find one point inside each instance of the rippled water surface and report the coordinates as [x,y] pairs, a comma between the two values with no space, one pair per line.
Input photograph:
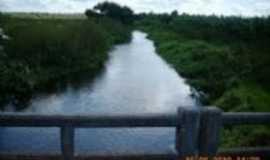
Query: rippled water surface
[135,80]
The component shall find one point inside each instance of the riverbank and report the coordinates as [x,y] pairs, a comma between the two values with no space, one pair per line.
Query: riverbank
[225,59]
[45,54]
[135,81]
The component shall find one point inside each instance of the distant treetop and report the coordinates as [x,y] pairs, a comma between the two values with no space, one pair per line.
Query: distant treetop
[112,10]
[91,13]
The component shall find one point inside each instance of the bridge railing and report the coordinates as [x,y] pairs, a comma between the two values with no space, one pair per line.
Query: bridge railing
[197,130]
[230,119]
[68,124]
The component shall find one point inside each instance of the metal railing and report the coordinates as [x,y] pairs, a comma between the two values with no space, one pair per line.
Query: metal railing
[197,130]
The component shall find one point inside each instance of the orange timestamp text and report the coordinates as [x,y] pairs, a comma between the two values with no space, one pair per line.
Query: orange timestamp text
[223,158]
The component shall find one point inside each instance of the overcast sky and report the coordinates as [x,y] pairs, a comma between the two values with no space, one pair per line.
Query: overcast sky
[225,7]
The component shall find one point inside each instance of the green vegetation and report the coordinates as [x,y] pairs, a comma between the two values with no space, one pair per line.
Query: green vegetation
[224,58]
[48,53]
[110,9]
[36,15]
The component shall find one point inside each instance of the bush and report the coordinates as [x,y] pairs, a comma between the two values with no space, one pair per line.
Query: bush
[225,58]
[45,54]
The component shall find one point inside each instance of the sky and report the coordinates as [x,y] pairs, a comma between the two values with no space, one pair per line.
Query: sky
[218,7]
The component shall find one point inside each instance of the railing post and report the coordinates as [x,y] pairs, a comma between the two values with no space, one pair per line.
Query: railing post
[210,125]
[67,142]
[187,131]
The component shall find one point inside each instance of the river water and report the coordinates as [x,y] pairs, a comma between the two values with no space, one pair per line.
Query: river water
[135,80]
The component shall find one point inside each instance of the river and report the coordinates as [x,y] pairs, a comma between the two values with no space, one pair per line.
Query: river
[135,80]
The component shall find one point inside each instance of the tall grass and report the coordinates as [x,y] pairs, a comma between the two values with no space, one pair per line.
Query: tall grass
[225,58]
[42,54]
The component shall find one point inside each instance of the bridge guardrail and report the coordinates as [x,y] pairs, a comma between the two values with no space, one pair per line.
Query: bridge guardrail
[197,130]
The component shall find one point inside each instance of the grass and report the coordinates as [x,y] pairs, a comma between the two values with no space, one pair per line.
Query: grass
[48,53]
[246,97]
[225,68]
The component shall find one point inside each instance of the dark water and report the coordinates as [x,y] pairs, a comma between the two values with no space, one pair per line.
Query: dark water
[136,80]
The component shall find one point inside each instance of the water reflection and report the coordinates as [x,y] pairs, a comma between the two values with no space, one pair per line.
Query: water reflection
[136,80]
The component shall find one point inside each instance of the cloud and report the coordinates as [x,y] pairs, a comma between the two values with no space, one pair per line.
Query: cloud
[46,5]
[225,7]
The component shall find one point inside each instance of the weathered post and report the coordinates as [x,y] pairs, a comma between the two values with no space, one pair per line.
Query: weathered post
[210,125]
[187,132]
[67,142]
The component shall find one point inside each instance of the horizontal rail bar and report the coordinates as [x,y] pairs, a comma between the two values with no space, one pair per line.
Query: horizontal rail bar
[142,120]
[242,118]
[248,151]
[168,156]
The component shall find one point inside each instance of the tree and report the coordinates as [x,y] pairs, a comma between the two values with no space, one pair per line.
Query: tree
[115,11]
[91,13]
[165,18]
[174,13]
